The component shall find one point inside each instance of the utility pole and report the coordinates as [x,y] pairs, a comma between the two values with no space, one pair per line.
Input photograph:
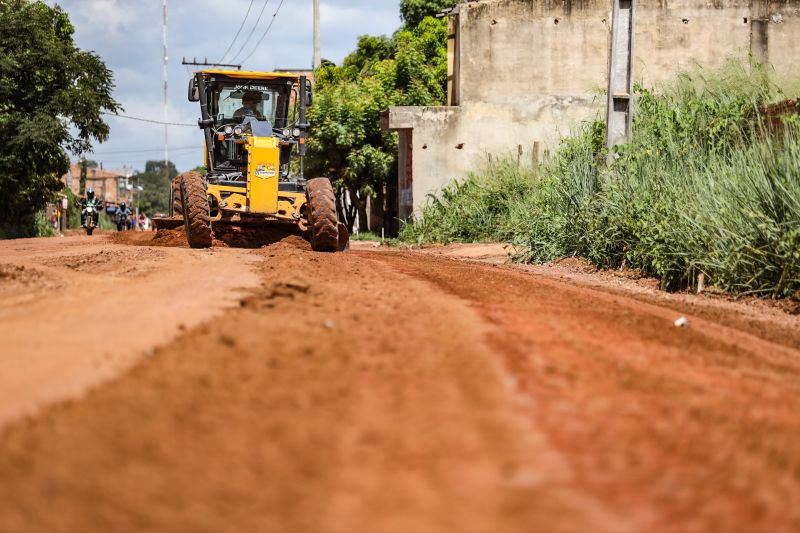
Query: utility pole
[619,117]
[166,97]
[317,45]
[205,63]
[82,182]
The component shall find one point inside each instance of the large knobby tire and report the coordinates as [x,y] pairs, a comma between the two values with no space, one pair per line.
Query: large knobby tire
[322,222]
[196,215]
[177,201]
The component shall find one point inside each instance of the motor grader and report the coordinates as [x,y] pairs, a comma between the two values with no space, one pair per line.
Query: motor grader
[255,126]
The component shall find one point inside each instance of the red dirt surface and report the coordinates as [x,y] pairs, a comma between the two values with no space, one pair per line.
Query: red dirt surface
[395,391]
[76,311]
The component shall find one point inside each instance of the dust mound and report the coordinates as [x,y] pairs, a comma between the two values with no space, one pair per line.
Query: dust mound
[225,236]
[14,278]
[134,238]
[290,242]
[18,273]
[123,262]
[243,237]
[175,238]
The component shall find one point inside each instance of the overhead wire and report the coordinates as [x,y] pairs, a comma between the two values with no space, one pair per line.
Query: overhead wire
[237,32]
[147,150]
[135,157]
[269,27]
[140,119]
[252,30]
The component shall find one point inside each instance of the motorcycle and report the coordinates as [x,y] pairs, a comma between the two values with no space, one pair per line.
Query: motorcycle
[89,216]
[123,221]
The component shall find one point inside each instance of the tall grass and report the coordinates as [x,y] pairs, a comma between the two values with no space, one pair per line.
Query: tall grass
[702,188]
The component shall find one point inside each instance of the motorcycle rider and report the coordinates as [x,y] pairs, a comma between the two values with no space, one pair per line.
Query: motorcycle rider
[90,201]
[123,217]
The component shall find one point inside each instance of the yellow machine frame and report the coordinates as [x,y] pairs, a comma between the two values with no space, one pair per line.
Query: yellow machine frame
[261,197]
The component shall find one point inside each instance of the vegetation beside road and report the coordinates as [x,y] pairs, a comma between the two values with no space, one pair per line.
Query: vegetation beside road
[347,144]
[52,97]
[702,188]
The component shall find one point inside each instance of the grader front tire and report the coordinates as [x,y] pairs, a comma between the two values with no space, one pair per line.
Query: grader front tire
[196,212]
[322,222]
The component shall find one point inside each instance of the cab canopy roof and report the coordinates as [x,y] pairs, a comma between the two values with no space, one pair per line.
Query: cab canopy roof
[252,75]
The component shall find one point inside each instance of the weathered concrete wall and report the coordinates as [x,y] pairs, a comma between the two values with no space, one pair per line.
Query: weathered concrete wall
[523,72]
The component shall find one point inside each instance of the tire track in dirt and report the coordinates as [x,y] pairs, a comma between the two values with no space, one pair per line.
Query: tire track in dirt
[688,429]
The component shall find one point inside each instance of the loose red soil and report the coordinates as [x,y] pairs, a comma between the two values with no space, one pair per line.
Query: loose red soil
[396,391]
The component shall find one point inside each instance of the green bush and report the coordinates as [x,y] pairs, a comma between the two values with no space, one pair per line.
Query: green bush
[702,188]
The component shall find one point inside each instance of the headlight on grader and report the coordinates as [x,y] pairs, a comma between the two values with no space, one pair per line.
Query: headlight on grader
[237,130]
[296,132]
[287,133]
[228,130]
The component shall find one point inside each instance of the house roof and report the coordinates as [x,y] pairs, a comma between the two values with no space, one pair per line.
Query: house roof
[97,173]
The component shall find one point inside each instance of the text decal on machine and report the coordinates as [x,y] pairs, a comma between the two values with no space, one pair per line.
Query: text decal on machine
[262,171]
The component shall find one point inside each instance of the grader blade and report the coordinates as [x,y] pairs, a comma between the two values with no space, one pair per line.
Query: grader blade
[167,222]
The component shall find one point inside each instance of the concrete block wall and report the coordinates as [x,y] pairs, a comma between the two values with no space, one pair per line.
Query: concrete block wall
[524,72]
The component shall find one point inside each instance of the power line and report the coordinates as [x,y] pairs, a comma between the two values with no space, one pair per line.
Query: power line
[237,33]
[271,22]
[151,121]
[246,41]
[117,152]
[205,63]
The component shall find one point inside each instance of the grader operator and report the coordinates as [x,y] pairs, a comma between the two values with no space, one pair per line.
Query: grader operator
[255,126]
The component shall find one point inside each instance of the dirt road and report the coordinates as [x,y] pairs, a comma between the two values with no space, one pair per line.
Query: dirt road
[384,391]
[76,311]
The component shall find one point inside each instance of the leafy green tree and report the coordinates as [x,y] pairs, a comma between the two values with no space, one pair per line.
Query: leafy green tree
[370,49]
[157,166]
[347,143]
[413,12]
[52,97]
[154,196]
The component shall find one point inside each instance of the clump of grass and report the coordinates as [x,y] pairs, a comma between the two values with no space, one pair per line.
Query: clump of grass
[702,188]
[479,208]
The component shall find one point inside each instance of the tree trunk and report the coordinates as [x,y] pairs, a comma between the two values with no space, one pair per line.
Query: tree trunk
[360,201]
[346,208]
[82,183]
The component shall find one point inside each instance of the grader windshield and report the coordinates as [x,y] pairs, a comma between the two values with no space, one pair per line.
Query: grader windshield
[231,102]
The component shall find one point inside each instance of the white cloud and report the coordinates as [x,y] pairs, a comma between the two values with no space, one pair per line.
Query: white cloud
[127,36]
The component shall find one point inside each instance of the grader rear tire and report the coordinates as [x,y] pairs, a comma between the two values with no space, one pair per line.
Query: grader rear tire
[196,212]
[322,222]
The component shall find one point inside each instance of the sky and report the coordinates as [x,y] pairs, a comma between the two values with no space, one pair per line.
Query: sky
[127,35]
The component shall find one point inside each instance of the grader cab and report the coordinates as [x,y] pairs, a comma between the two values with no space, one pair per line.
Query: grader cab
[255,126]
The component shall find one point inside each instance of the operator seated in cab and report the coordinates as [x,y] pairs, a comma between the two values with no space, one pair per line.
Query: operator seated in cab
[250,101]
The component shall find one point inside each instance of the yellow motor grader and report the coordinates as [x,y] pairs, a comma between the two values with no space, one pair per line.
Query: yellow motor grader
[255,126]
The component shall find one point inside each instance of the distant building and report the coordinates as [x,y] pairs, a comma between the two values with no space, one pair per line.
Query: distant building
[109,185]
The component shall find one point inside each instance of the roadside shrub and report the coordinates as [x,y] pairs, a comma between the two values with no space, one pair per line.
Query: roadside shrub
[702,188]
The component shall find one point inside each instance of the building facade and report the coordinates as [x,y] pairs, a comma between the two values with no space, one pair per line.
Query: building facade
[523,73]
[110,185]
